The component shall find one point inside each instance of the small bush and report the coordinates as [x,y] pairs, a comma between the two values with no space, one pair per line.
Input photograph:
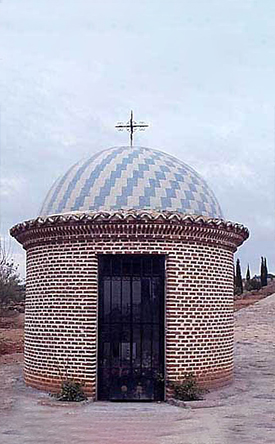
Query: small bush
[253,284]
[237,291]
[71,391]
[187,389]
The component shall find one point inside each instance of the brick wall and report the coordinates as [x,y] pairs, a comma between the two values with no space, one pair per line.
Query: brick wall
[61,310]
[61,302]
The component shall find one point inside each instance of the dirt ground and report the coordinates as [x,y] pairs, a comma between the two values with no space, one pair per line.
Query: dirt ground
[11,333]
[248,298]
[242,413]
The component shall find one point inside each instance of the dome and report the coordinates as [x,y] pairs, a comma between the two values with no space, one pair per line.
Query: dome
[124,178]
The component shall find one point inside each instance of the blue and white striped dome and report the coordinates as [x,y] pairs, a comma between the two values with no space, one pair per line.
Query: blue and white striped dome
[131,178]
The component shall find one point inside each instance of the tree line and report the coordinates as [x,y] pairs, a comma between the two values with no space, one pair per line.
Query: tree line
[249,283]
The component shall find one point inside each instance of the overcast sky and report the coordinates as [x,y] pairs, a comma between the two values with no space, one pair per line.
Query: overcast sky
[200,72]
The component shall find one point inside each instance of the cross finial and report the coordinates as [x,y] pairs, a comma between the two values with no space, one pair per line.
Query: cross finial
[131,126]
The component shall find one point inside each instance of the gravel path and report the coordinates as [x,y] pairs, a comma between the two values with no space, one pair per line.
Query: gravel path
[243,413]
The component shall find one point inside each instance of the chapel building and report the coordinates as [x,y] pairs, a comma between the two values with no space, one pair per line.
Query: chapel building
[129,278]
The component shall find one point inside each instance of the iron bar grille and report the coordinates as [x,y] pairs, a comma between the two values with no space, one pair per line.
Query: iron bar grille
[131,327]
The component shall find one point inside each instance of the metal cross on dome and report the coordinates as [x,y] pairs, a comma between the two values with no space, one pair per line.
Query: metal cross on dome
[131,126]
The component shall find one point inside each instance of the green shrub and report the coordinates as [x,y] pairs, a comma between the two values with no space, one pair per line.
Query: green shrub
[71,391]
[186,389]
[253,284]
[237,291]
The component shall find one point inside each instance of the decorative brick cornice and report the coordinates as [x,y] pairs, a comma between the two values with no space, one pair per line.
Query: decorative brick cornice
[129,224]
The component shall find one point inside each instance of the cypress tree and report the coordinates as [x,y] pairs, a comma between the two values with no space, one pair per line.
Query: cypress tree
[239,281]
[265,272]
[262,272]
[247,274]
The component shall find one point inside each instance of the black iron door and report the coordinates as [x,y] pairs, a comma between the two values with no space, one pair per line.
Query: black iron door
[131,327]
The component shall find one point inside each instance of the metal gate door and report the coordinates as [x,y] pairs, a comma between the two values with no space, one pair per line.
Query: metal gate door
[131,327]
